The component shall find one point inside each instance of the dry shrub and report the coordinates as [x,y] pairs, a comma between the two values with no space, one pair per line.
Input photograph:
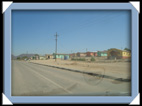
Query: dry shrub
[74,63]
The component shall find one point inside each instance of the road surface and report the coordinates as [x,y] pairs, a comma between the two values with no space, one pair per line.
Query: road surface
[30,79]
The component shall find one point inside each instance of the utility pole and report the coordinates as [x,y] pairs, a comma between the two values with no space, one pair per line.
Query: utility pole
[27,54]
[56,45]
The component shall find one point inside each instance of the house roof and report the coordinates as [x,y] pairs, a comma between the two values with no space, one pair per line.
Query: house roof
[48,54]
[126,51]
[61,54]
[82,52]
[119,50]
[103,51]
[90,52]
[41,56]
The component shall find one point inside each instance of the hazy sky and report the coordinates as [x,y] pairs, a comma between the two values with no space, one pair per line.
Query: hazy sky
[33,31]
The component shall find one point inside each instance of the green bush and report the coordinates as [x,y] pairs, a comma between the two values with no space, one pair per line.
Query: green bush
[92,59]
[18,58]
[73,59]
[25,57]
[81,59]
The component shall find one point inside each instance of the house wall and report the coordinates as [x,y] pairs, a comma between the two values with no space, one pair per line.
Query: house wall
[78,54]
[66,57]
[35,57]
[119,54]
[101,54]
[48,56]
[81,54]
[89,54]
[60,56]
[95,54]
[126,54]
[72,55]
[41,58]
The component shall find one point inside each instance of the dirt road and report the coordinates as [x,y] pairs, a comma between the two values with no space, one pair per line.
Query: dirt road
[30,79]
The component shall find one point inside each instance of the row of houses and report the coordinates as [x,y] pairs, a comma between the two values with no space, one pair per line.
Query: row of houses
[118,54]
[51,56]
[112,53]
[38,57]
[89,54]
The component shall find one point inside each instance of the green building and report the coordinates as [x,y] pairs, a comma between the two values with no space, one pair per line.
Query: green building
[61,56]
[102,53]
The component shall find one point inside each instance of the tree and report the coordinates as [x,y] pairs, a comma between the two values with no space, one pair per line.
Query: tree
[18,58]
[127,49]
[92,59]
[25,57]
[36,55]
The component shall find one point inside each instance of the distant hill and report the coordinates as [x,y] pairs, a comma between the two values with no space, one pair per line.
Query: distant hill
[23,55]
[13,57]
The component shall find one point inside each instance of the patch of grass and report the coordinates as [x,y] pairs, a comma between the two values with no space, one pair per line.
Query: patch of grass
[92,59]
[74,63]
[79,59]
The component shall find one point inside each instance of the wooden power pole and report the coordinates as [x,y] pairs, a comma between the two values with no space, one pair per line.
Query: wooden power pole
[56,45]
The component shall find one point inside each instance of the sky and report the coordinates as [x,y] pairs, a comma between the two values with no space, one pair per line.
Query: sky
[92,30]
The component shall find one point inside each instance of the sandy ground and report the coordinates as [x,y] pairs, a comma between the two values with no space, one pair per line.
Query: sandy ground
[116,69]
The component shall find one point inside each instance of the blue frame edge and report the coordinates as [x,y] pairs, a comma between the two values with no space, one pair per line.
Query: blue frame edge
[70,99]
